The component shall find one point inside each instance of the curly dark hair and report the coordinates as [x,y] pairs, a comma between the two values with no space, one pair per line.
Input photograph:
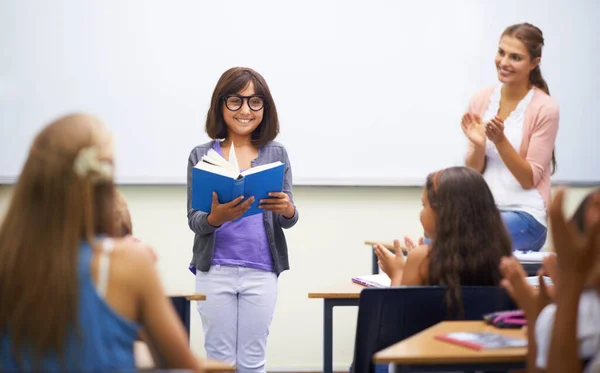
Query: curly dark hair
[470,235]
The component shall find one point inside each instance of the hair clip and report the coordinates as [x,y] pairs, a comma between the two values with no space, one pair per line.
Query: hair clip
[87,163]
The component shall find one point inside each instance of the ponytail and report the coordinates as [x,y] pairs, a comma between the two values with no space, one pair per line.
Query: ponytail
[536,78]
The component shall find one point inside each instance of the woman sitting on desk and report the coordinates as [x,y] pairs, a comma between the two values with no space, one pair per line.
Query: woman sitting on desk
[512,129]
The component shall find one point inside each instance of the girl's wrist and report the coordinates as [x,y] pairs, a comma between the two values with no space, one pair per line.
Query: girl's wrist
[288,214]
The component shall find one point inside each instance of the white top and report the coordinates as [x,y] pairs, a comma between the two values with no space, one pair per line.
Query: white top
[508,193]
[588,328]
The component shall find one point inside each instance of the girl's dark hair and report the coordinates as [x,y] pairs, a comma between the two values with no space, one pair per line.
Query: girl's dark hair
[233,81]
[533,39]
[470,235]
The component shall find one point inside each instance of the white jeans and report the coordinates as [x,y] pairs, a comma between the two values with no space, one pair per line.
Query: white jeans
[236,314]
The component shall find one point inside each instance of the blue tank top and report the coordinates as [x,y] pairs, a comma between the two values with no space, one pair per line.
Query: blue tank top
[106,341]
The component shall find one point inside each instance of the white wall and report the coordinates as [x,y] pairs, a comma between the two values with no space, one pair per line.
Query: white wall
[358,78]
[325,248]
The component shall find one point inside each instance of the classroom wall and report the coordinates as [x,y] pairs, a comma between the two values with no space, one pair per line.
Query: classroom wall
[325,248]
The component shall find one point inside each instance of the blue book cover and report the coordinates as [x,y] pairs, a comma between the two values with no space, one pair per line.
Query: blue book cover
[212,174]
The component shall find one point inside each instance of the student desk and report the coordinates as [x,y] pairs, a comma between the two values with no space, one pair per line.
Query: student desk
[214,366]
[423,353]
[181,302]
[338,295]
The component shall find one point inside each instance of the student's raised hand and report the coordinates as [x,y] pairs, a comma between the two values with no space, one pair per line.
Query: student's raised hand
[473,128]
[517,287]
[224,212]
[494,130]
[575,251]
[546,293]
[410,244]
[390,263]
[550,267]
[278,202]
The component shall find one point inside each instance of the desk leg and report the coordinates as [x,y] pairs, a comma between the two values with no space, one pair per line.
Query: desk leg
[329,303]
[182,307]
[328,337]
[375,266]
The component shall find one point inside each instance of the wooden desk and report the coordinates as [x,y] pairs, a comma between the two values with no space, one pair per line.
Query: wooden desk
[422,352]
[181,302]
[346,294]
[214,366]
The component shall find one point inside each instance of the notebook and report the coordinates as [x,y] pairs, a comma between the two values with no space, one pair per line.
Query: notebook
[481,341]
[380,280]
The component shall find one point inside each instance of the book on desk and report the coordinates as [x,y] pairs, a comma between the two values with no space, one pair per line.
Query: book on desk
[481,341]
[380,280]
[213,173]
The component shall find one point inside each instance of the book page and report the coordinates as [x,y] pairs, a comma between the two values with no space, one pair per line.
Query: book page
[263,167]
[233,159]
[209,167]
[215,158]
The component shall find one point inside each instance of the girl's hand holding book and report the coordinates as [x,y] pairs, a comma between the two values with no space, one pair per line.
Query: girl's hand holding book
[223,212]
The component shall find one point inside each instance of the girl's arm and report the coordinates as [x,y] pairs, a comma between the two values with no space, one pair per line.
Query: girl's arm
[287,189]
[161,324]
[401,271]
[413,275]
[563,355]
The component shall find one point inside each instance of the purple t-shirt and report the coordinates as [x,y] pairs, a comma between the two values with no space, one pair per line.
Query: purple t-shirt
[242,242]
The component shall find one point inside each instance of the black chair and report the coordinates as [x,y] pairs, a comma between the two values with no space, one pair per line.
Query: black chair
[387,316]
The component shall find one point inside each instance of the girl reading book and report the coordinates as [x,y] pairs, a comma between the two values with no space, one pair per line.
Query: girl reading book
[237,260]
[73,296]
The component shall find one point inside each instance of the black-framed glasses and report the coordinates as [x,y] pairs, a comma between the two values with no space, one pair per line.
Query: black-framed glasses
[235,102]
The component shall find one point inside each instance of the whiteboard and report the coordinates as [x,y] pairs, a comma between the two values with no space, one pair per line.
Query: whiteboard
[368,92]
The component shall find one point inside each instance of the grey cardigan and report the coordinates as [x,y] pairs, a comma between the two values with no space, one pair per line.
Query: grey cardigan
[204,240]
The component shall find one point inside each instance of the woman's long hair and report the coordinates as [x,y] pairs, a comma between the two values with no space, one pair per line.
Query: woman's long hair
[52,209]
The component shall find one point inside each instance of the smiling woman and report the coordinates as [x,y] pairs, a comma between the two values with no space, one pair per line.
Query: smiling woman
[512,130]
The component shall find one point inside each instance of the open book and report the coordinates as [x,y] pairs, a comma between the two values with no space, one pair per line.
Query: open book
[481,341]
[213,173]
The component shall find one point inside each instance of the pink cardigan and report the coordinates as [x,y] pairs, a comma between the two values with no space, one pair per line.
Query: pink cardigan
[539,134]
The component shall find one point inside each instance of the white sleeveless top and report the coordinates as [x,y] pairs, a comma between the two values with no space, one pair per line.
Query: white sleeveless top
[507,192]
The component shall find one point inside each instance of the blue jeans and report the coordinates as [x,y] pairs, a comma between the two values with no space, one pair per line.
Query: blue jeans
[526,233]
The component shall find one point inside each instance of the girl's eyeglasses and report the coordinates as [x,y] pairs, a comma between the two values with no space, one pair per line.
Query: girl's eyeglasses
[235,102]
